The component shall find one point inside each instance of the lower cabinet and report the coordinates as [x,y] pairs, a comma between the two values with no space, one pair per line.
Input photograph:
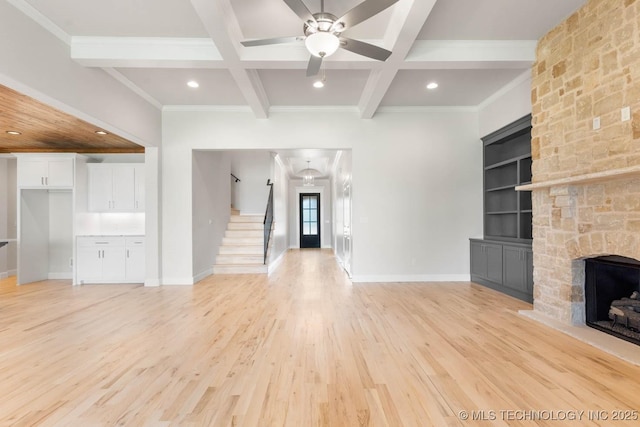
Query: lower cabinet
[505,267]
[110,259]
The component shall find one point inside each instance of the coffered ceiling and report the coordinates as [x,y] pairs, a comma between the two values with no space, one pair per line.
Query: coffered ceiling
[471,48]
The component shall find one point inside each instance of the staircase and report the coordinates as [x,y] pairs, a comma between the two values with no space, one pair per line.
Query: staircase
[242,249]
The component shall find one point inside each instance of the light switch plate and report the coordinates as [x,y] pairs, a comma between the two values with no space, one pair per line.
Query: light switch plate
[625,114]
[596,123]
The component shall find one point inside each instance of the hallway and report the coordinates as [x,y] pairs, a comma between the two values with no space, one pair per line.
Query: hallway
[301,347]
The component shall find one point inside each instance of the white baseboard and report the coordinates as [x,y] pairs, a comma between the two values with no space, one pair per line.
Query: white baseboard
[181,281]
[411,278]
[202,275]
[4,275]
[150,283]
[12,272]
[273,265]
[60,276]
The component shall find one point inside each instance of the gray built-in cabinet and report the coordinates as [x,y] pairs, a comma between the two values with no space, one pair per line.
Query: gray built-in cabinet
[503,259]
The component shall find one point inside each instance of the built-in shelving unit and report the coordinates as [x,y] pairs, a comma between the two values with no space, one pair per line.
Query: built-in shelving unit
[507,164]
[503,259]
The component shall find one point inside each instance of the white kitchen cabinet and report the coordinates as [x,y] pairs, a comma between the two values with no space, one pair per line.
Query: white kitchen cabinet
[134,260]
[45,172]
[110,259]
[114,187]
[139,188]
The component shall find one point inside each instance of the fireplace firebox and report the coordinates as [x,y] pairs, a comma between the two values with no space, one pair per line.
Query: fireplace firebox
[610,283]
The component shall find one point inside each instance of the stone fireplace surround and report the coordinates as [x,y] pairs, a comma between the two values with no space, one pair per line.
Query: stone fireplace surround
[574,219]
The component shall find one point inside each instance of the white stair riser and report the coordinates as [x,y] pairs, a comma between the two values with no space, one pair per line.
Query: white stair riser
[239,259]
[240,269]
[241,249]
[246,218]
[236,241]
[246,226]
[244,233]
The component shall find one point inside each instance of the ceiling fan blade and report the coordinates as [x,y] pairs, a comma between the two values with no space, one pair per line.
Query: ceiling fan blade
[364,11]
[301,10]
[263,42]
[364,49]
[314,66]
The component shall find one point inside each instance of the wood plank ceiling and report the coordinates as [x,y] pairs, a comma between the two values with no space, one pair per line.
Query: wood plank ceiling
[45,129]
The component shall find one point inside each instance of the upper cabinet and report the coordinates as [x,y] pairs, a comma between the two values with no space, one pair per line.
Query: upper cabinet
[45,171]
[116,187]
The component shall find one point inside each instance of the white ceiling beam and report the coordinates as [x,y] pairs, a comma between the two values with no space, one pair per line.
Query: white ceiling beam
[142,52]
[472,51]
[220,22]
[408,19]
[145,52]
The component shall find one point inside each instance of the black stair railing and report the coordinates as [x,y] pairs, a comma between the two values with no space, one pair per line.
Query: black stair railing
[268,220]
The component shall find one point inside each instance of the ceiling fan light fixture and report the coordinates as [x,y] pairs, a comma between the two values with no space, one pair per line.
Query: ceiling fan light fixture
[322,44]
[318,84]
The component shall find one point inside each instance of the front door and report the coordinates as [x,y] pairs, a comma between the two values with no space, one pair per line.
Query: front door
[309,220]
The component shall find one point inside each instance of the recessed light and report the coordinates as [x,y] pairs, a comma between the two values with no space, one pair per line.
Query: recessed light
[318,84]
[192,83]
[432,85]
[14,132]
[101,132]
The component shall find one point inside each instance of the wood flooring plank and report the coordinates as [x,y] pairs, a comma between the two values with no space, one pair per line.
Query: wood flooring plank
[301,347]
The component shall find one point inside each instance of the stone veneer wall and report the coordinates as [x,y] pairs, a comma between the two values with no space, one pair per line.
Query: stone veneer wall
[588,66]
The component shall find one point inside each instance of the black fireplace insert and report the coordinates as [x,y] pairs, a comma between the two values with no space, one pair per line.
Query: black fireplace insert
[609,279]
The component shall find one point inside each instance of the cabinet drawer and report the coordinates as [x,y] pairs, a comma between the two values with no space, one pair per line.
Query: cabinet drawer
[134,241]
[96,241]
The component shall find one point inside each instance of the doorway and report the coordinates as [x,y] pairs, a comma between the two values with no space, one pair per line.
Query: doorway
[309,220]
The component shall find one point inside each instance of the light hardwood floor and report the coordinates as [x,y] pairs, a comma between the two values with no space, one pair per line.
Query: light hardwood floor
[303,347]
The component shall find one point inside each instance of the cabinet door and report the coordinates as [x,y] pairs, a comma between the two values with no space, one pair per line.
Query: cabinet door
[100,185]
[123,188]
[494,262]
[135,260]
[88,264]
[514,268]
[113,264]
[139,188]
[31,172]
[60,173]
[478,260]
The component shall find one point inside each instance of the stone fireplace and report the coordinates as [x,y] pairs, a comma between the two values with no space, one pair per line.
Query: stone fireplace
[586,180]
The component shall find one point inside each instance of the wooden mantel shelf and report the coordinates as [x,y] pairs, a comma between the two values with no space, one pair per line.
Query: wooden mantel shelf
[583,179]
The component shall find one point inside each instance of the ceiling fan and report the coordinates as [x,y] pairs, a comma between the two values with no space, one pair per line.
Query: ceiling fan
[323,32]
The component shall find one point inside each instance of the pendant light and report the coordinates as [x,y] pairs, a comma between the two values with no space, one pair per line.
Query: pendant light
[308,176]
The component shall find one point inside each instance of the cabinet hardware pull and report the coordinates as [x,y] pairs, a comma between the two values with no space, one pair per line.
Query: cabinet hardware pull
[127,253]
[46,180]
[102,243]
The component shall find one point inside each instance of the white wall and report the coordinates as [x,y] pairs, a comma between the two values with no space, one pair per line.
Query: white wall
[417,183]
[322,186]
[3,216]
[341,174]
[251,193]
[280,242]
[12,219]
[60,234]
[8,216]
[45,71]
[417,197]
[506,106]
[211,200]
